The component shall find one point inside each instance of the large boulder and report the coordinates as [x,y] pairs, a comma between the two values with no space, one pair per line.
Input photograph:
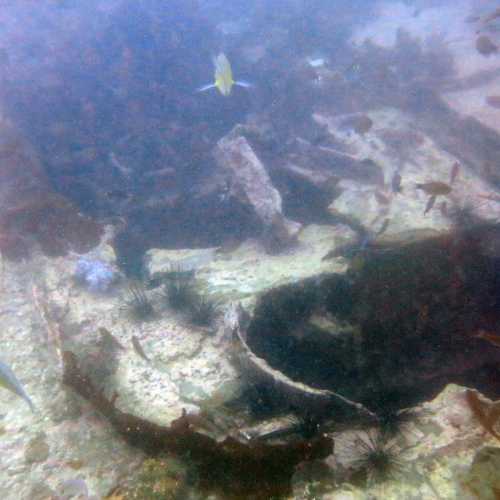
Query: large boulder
[251,183]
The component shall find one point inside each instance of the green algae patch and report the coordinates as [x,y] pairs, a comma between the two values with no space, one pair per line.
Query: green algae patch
[161,478]
[482,479]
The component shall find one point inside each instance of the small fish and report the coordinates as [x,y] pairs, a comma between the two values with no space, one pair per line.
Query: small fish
[396,183]
[347,250]
[138,349]
[492,338]
[435,188]
[223,77]
[117,194]
[230,245]
[430,203]
[124,171]
[10,382]
[454,172]
[318,62]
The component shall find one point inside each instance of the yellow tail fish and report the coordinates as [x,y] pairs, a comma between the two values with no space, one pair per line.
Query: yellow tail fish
[223,77]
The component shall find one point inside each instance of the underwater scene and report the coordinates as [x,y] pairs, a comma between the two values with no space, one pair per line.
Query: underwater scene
[250,250]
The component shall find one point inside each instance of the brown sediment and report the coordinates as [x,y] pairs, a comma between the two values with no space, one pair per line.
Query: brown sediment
[230,468]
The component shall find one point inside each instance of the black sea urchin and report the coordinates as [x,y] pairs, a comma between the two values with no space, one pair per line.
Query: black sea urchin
[376,458]
[179,292]
[138,303]
[203,312]
[392,422]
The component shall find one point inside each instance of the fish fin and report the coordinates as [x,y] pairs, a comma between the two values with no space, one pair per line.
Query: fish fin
[242,83]
[206,87]
[430,203]
[30,403]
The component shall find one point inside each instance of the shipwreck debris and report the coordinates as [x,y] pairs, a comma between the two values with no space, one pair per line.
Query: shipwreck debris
[253,469]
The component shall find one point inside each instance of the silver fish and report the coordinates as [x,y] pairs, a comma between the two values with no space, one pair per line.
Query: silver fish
[10,382]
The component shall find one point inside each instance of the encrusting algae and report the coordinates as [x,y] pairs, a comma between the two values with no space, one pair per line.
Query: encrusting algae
[161,478]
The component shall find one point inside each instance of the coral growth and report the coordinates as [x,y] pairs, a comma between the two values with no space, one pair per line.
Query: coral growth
[96,275]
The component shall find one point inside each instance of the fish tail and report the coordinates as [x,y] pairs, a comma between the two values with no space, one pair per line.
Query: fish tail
[30,403]
[242,83]
[206,87]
